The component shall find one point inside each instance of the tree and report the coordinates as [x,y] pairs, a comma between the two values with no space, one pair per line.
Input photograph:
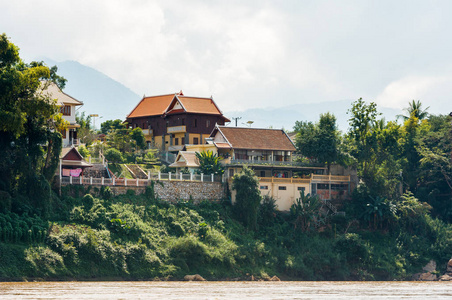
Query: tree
[415,109]
[137,135]
[108,125]
[85,132]
[320,141]
[361,138]
[305,212]
[248,197]
[113,155]
[209,163]
[30,143]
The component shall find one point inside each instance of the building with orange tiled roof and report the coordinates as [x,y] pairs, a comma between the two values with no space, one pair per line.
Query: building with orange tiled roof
[173,120]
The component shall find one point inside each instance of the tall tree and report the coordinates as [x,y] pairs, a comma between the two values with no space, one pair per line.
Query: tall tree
[29,123]
[248,197]
[320,140]
[415,109]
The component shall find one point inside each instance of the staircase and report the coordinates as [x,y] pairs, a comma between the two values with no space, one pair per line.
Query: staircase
[96,171]
[137,172]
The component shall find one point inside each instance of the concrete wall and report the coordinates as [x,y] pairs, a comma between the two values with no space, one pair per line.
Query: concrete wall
[180,190]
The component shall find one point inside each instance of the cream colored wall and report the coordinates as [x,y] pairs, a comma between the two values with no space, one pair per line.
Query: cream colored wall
[200,148]
[284,198]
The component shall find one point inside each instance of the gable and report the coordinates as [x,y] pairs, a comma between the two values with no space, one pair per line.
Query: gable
[71,154]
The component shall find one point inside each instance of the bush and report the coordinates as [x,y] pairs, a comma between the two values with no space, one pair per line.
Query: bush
[113,155]
[83,151]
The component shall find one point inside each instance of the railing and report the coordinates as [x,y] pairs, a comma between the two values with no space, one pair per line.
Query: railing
[141,182]
[168,157]
[73,142]
[273,163]
[284,180]
[332,178]
[148,131]
[176,129]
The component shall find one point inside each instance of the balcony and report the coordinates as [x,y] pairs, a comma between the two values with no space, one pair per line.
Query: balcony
[175,148]
[148,132]
[177,129]
[273,163]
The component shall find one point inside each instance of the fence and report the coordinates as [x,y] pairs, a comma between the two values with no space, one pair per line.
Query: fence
[141,182]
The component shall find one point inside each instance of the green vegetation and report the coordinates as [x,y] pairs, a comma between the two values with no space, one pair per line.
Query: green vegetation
[141,237]
[209,163]
[397,220]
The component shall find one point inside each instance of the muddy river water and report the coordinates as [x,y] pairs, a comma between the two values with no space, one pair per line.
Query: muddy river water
[225,290]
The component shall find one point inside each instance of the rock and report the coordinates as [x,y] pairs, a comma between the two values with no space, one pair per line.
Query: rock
[427,277]
[449,266]
[430,267]
[416,276]
[275,278]
[195,277]
[445,277]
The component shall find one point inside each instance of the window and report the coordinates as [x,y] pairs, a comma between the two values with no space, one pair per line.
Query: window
[264,187]
[195,123]
[182,140]
[176,141]
[207,123]
[301,188]
[65,110]
[262,173]
[282,188]
[323,186]
[183,121]
[231,172]
[195,141]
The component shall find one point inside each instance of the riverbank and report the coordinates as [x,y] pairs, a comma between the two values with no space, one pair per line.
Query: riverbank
[137,237]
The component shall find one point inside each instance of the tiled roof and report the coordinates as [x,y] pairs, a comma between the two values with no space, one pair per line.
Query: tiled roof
[152,106]
[199,105]
[223,145]
[189,159]
[54,92]
[257,139]
[160,105]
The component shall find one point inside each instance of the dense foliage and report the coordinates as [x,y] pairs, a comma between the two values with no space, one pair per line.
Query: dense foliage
[397,220]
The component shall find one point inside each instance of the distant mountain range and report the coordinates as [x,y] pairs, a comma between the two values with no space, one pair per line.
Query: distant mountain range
[286,116]
[100,94]
[112,100]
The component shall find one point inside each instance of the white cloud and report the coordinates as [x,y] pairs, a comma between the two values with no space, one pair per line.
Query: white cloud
[398,93]
[248,53]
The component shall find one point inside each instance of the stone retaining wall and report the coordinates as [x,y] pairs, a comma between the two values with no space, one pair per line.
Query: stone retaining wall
[179,190]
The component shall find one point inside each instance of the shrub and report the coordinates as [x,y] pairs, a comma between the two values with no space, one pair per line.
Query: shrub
[113,155]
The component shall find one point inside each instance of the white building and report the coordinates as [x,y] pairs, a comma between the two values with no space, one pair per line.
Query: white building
[67,105]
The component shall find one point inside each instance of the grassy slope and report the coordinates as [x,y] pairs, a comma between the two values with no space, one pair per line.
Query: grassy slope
[133,237]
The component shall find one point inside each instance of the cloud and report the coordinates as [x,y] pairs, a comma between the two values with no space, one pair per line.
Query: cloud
[247,53]
[398,93]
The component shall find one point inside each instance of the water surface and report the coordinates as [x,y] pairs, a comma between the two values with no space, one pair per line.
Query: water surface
[225,290]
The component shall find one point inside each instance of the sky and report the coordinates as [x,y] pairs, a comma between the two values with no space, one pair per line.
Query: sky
[250,54]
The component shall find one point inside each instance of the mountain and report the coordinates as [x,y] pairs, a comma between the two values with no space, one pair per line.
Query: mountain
[285,116]
[112,100]
[100,94]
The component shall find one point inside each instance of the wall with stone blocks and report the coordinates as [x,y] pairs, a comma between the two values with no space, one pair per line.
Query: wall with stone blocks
[180,190]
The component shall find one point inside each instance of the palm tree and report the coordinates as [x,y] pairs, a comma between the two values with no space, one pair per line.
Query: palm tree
[414,109]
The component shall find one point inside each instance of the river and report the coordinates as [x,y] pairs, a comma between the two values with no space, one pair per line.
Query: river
[225,290]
